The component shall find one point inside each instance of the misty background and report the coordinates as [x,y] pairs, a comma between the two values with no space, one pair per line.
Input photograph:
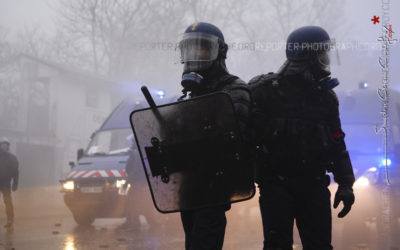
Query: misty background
[134,41]
[66,64]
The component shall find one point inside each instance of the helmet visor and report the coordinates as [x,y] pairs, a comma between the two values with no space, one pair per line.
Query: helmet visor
[198,47]
[323,58]
[330,56]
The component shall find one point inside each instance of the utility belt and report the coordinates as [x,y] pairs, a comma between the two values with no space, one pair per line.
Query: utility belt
[295,161]
[289,167]
[280,179]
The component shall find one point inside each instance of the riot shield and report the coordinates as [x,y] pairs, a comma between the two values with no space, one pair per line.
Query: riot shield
[192,153]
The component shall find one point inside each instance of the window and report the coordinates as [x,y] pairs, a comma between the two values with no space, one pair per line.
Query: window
[111,142]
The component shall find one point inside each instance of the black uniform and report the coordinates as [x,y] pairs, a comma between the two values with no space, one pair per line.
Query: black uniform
[299,137]
[8,172]
[203,52]
[205,228]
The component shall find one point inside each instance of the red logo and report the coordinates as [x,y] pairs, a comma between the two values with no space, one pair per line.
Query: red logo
[375,19]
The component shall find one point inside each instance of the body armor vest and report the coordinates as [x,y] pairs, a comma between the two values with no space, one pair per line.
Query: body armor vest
[293,126]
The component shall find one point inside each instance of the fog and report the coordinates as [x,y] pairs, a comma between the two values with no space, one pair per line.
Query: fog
[66,64]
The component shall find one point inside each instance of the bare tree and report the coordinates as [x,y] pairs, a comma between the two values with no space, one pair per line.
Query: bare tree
[103,28]
[275,19]
[136,38]
[108,29]
[31,41]
[267,23]
[64,49]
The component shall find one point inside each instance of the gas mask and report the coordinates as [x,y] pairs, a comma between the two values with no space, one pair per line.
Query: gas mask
[192,81]
[322,71]
[198,51]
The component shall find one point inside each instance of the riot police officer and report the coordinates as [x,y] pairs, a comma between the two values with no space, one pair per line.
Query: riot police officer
[299,138]
[8,174]
[203,52]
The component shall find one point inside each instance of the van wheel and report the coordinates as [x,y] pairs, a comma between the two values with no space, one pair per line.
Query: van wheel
[83,219]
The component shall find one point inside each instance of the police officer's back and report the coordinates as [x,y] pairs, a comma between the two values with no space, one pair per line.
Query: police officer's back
[299,136]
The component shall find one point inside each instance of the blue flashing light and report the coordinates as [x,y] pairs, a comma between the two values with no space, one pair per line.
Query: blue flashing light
[161,94]
[363,85]
[389,162]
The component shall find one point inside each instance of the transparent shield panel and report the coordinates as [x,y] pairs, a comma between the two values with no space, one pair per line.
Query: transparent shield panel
[193,154]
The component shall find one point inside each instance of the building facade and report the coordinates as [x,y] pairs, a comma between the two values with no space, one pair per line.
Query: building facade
[48,111]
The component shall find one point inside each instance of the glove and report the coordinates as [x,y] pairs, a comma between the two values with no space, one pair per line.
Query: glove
[345,194]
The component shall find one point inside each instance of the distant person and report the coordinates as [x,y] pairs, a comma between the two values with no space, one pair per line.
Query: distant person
[8,172]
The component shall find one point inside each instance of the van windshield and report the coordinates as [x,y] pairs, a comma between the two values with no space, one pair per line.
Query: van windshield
[111,142]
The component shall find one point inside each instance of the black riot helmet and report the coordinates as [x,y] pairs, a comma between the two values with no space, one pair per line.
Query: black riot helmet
[309,48]
[202,52]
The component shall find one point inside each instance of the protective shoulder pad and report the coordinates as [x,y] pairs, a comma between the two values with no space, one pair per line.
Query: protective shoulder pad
[239,81]
[270,78]
[235,83]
